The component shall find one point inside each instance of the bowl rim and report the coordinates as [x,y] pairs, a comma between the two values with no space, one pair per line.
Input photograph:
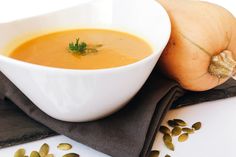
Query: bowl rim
[153,54]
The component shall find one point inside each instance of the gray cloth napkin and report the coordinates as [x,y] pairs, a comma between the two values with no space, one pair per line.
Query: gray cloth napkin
[128,133]
[16,127]
[226,90]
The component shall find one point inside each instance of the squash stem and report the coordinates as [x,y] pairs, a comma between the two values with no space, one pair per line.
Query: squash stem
[223,65]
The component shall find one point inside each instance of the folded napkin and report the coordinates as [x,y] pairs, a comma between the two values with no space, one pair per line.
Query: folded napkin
[127,133]
[226,90]
[16,127]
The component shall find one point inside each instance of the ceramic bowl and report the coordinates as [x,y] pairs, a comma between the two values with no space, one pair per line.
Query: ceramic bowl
[85,95]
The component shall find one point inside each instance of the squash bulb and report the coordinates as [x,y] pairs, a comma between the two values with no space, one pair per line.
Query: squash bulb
[201,52]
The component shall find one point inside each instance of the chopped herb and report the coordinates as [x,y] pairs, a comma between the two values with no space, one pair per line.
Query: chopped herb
[82,47]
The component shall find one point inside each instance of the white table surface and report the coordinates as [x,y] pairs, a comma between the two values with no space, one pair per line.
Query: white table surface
[217,137]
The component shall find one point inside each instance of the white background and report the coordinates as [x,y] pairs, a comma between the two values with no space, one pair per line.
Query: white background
[15,9]
[217,137]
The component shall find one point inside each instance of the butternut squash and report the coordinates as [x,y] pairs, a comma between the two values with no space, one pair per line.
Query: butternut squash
[201,52]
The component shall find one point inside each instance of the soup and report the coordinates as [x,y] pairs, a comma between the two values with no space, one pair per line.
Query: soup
[83,49]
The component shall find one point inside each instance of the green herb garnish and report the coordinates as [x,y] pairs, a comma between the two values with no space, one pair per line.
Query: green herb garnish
[82,47]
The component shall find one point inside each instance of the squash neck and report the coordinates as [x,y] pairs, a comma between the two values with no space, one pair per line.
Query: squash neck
[223,65]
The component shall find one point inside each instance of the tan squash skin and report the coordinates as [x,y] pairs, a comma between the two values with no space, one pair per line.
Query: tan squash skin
[200,31]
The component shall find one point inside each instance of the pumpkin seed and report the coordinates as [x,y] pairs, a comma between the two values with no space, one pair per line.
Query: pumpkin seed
[155,153]
[172,123]
[167,155]
[20,153]
[49,155]
[170,145]
[43,151]
[164,130]
[34,154]
[71,155]
[183,137]
[167,138]
[180,122]
[64,146]
[197,126]
[188,130]
[176,131]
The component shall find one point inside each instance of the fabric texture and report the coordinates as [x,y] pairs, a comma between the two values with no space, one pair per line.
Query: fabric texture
[127,133]
[17,127]
[226,90]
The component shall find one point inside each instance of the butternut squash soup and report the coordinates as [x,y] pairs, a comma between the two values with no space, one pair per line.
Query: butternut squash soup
[83,49]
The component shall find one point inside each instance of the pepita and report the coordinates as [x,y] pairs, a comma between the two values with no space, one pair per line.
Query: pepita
[172,123]
[170,145]
[188,130]
[165,130]
[183,137]
[197,126]
[180,122]
[44,150]
[167,138]
[20,153]
[64,146]
[155,153]
[34,154]
[176,131]
[167,155]
[71,155]
[49,155]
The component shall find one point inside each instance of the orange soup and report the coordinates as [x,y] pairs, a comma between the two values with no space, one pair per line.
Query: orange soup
[83,49]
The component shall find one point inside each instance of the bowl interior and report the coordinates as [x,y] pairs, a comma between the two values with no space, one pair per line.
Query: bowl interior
[144,18]
[62,93]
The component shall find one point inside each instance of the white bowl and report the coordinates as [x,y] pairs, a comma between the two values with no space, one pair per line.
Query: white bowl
[85,95]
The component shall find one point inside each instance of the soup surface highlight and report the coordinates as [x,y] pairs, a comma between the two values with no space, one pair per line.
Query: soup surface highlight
[83,49]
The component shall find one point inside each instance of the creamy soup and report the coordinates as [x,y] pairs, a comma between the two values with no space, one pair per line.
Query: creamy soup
[83,49]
